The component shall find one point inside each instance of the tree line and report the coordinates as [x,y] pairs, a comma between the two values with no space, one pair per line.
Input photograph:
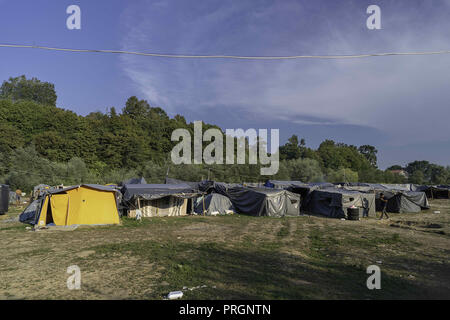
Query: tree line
[41,143]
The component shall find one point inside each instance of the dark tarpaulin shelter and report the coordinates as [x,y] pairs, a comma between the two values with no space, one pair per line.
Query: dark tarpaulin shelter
[403,201]
[438,192]
[156,191]
[301,188]
[4,198]
[401,198]
[31,212]
[260,201]
[213,202]
[334,202]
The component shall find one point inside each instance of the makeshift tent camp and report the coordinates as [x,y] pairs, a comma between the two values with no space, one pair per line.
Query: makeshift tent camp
[213,204]
[334,202]
[400,197]
[77,205]
[260,201]
[402,201]
[438,192]
[155,200]
[4,198]
[301,188]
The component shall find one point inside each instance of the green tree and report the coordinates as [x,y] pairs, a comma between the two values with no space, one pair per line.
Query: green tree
[370,152]
[21,88]
[417,177]
[305,170]
[292,149]
[342,175]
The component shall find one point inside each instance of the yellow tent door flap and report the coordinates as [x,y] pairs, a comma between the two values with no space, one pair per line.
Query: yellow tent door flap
[59,204]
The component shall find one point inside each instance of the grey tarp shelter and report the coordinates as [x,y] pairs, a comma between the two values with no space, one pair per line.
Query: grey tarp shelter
[213,203]
[400,197]
[403,201]
[260,201]
[334,202]
[303,189]
[158,199]
[4,198]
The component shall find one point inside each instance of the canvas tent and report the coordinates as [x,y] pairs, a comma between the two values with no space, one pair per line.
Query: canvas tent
[260,201]
[334,202]
[212,204]
[4,198]
[156,200]
[77,205]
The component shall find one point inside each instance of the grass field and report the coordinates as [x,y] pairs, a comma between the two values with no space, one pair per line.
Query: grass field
[232,257]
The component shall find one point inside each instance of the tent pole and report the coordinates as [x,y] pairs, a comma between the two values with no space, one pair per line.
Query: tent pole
[139,206]
[203,200]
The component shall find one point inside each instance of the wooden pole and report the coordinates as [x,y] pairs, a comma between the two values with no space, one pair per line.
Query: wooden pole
[203,199]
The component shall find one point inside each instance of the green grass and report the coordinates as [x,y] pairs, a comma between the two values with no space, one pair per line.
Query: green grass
[284,231]
[241,257]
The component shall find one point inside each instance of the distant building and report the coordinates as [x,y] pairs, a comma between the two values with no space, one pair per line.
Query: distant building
[400,172]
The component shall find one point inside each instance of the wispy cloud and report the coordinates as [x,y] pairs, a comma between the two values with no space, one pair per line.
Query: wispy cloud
[404,97]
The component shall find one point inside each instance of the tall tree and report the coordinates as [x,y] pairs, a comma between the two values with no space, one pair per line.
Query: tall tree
[21,88]
[370,152]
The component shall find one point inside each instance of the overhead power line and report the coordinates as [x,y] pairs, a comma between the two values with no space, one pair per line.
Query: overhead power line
[185,56]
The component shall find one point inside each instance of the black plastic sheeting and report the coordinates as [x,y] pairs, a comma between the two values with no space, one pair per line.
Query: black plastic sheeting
[402,198]
[438,192]
[4,198]
[403,202]
[333,202]
[132,192]
[31,212]
[213,202]
[260,201]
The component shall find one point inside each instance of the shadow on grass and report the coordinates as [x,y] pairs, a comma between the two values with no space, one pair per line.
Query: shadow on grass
[258,272]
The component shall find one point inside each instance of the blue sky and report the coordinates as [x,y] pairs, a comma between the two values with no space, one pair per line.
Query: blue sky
[398,104]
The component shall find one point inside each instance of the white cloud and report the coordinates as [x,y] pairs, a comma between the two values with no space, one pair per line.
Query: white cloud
[405,97]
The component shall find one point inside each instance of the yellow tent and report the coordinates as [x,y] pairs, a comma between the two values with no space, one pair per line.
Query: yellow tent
[85,204]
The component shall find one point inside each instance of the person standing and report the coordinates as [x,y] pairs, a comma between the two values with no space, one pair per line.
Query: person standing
[384,204]
[18,195]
